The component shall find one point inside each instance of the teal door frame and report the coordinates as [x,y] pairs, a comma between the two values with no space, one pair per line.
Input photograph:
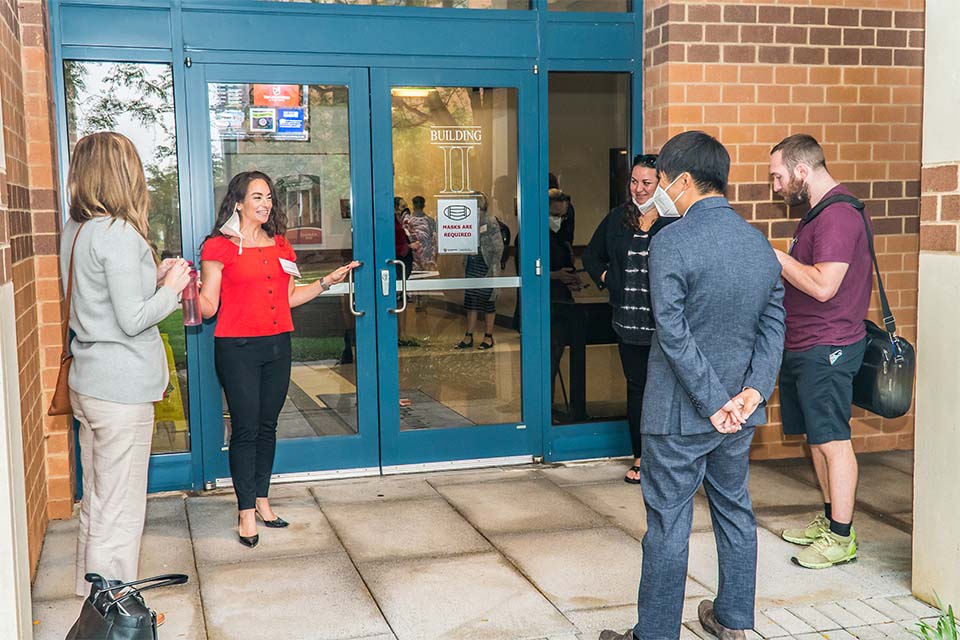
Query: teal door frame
[358,452]
[508,440]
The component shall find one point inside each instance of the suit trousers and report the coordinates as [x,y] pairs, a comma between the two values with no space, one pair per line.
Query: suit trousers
[672,469]
[255,374]
[115,444]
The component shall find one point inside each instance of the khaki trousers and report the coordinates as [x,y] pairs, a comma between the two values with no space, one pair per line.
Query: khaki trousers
[115,443]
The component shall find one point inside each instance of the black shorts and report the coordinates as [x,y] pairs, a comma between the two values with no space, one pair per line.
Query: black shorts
[816,391]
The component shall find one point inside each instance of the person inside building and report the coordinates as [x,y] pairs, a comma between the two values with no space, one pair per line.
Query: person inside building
[423,231]
[617,259]
[404,246]
[483,264]
[248,270]
[119,293]
[566,319]
[717,300]
[829,278]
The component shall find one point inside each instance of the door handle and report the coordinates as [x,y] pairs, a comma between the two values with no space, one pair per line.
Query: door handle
[353,301]
[403,286]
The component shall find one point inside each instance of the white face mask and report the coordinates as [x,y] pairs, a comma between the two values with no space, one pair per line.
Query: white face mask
[646,206]
[666,206]
[232,227]
[555,223]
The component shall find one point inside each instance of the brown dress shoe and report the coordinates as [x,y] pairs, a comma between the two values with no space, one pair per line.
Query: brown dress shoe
[709,622]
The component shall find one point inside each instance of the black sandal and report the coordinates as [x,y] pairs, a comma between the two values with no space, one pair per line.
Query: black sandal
[485,344]
[630,480]
[463,344]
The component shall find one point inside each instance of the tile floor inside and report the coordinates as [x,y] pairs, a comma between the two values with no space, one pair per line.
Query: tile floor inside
[541,551]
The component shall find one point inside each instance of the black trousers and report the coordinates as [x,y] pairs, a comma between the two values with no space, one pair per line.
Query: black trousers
[633,358]
[255,374]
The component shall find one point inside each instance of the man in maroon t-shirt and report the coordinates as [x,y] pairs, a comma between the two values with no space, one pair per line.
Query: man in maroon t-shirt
[828,279]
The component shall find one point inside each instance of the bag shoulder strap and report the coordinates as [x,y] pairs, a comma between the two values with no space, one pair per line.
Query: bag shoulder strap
[67,300]
[889,321]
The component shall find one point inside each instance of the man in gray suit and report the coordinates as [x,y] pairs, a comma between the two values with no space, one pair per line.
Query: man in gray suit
[718,304]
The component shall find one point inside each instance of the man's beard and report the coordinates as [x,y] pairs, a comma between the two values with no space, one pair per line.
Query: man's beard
[796,193]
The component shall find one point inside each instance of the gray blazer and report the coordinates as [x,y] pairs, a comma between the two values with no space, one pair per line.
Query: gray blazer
[118,354]
[718,303]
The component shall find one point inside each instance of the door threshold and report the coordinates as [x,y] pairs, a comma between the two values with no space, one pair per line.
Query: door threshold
[304,476]
[455,465]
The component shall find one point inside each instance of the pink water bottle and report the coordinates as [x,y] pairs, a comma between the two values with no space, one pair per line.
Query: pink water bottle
[191,303]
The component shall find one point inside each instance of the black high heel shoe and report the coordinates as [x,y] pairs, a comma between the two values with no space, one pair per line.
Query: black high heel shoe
[463,344]
[276,523]
[247,541]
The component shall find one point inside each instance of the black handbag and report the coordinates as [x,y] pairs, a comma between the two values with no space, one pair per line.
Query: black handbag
[884,383]
[115,610]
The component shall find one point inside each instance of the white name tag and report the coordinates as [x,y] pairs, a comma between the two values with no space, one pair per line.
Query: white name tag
[290,267]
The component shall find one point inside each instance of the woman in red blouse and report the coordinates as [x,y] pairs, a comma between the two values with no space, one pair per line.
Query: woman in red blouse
[246,272]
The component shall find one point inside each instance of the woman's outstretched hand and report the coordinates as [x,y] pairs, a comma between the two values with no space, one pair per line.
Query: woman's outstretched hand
[339,275]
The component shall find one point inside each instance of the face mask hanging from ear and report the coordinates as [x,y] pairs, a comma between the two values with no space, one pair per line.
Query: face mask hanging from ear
[665,205]
[232,228]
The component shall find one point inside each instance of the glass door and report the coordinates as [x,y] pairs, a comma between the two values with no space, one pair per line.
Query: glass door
[455,163]
[308,129]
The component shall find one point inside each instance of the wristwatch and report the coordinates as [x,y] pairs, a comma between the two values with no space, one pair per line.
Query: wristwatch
[323,284]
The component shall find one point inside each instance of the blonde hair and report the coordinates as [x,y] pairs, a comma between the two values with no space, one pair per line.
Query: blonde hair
[106,179]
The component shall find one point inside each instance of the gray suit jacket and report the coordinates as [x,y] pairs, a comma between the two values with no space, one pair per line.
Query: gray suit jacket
[718,304]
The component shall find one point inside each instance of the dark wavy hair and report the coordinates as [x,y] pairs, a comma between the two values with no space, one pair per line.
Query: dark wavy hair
[631,215]
[275,225]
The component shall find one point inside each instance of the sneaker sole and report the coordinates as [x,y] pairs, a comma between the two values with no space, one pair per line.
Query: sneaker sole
[804,542]
[825,565]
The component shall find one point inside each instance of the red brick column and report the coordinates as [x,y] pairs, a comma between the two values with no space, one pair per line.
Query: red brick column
[754,72]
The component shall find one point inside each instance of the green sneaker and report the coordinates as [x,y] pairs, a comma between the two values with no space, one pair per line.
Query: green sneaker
[810,533]
[828,550]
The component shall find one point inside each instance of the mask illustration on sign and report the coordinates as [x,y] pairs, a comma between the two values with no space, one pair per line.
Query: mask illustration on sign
[555,223]
[232,228]
[666,206]
[457,212]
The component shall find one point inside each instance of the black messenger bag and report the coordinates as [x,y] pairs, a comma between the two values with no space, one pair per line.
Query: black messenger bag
[884,383]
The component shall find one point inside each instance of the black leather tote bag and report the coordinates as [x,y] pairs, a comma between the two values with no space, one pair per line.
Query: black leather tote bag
[116,611]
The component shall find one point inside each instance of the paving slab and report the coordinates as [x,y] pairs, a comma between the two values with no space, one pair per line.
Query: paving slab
[772,488]
[867,633]
[900,460]
[213,524]
[895,631]
[890,609]
[622,504]
[478,597]
[474,476]
[372,490]
[841,616]
[52,619]
[885,490]
[519,506]
[319,596]
[590,472]
[864,611]
[766,627]
[814,618]
[183,610]
[403,529]
[581,569]
[918,608]
[56,572]
[166,546]
[883,563]
[788,621]
[838,634]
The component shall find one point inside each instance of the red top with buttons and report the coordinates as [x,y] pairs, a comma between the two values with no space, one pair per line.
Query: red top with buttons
[254,289]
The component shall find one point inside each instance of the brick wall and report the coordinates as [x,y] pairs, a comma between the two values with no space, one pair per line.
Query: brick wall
[29,229]
[845,71]
[940,208]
